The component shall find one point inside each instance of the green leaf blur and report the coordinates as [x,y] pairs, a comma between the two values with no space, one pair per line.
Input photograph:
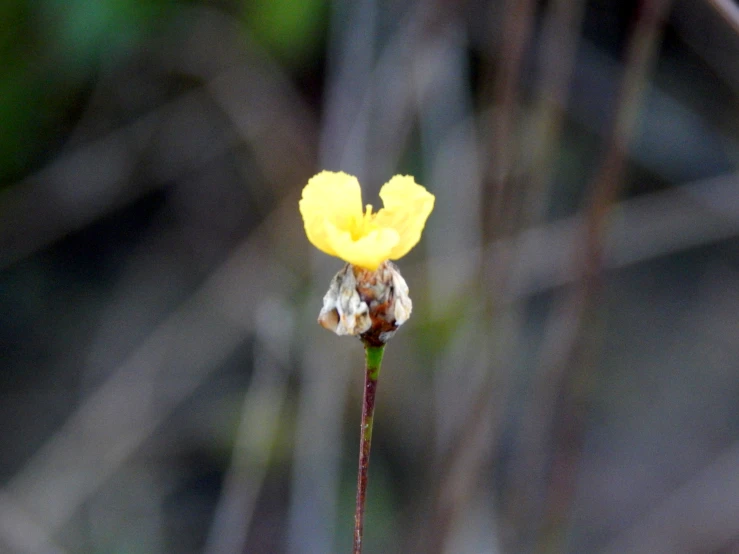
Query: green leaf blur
[292,31]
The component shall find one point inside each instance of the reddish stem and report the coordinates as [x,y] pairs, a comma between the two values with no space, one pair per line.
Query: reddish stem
[372,370]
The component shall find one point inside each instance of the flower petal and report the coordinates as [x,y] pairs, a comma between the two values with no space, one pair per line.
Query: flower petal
[407,206]
[369,251]
[333,197]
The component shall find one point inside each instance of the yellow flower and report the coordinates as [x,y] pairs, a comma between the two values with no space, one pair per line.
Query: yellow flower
[334,222]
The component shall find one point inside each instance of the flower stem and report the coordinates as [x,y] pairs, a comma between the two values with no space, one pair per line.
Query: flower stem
[373,360]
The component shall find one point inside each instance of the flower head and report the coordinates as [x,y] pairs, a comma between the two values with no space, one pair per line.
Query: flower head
[367,304]
[331,207]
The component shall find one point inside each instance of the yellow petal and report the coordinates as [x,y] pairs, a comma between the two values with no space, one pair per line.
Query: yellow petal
[368,251]
[407,206]
[333,197]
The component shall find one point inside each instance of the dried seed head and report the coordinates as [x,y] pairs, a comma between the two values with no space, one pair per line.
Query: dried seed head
[367,304]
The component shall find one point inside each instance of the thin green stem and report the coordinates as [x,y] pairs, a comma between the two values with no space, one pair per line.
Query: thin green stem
[373,361]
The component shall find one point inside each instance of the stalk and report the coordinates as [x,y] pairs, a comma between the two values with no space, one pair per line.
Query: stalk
[373,360]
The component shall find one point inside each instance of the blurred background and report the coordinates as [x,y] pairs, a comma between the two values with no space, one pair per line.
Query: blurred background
[569,380]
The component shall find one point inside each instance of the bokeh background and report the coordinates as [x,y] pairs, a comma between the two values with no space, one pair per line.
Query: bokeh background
[569,380]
